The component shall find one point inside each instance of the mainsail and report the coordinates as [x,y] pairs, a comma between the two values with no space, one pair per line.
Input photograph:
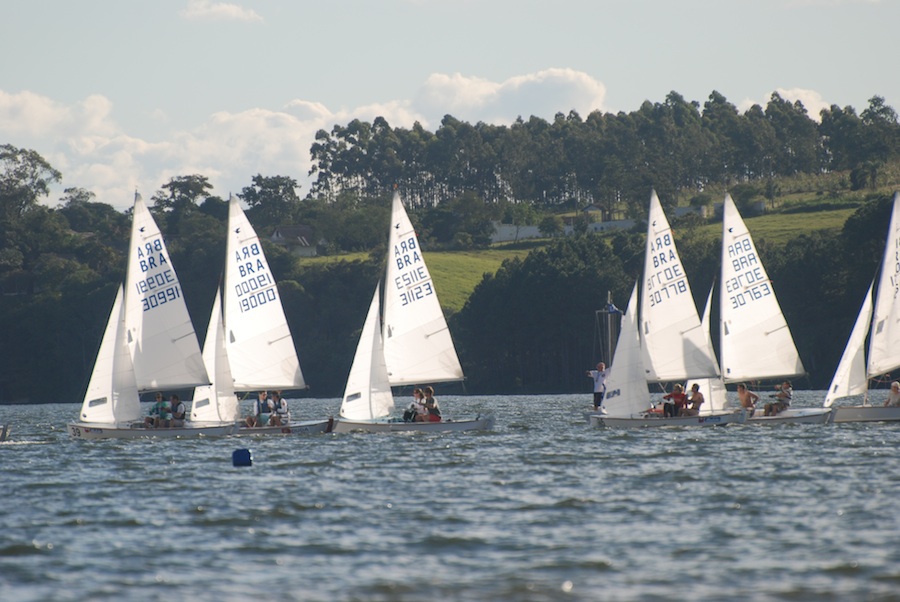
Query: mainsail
[675,346]
[755,341]
[258,340]
[417,343]
[161,337]
[884,351]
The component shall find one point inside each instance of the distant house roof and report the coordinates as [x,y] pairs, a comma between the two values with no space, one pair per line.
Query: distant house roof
[301,236]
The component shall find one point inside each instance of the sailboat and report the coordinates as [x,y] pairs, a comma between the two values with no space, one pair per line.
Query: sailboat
[248,343]
[672,341]
[852,374]
[755,341]
[149,345]
[406,342]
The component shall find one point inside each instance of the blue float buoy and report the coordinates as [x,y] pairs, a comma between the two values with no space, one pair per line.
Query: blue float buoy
[242,457]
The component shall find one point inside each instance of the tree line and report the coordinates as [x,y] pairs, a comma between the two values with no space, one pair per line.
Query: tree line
[526,328]
[674,146]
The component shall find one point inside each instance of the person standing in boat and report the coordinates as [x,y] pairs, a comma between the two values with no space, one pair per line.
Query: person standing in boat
[747,398]
[893,398]
[431,404]
[676,401]
[696,401]
[599,376]
[179,411]
[282,412]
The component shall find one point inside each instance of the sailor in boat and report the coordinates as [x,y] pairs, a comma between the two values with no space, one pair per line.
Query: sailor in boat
[675,402]
[179,411]
[747,398]
[160,414]
[431,405]
[893,398]
[782,399]
[696,400]
[416,407]
[599,376]
[261,411]
[282,413]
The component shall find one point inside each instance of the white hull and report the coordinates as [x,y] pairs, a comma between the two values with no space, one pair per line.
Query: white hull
[589,414]
[87,430]
[797,416]
[307,427]
[865,414]
[481,423]
[653,421]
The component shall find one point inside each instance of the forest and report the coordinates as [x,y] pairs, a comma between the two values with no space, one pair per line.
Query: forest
[528,327]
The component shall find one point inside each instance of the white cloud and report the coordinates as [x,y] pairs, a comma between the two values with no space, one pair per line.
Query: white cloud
[542,94]
[94,152]
[205,10]
[811,100]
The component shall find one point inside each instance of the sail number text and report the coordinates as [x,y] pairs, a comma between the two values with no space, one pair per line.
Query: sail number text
[413,281]
[257,286]
[159,286]
[749,282]
[668,279]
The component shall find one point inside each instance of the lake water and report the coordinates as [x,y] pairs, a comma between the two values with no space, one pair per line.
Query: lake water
[543,507]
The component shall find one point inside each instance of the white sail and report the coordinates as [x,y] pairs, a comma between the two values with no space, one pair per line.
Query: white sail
[626,386]
[112,394]
[368,392]
[850,376]
[674,344]
[713,389]
[217,401]
[884,350]
[161,338]
[755,341]
[260,347]
[417,343]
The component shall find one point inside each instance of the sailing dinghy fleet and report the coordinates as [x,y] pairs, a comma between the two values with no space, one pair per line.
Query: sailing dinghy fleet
[150,345]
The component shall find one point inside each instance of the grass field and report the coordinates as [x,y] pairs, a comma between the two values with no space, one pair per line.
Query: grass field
[457,273]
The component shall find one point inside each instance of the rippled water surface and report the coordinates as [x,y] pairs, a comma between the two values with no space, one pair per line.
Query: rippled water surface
[542,508]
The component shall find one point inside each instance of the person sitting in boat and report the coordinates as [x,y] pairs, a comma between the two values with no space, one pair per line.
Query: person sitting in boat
[674,402]
[782,399]
[747,398]
[282,413]
[894,396]
[261,411]
[431,405]
[416,407]
[179,411]
[696,401]
[599,376]
[160,413]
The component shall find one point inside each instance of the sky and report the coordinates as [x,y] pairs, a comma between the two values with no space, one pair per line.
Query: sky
[122,96]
